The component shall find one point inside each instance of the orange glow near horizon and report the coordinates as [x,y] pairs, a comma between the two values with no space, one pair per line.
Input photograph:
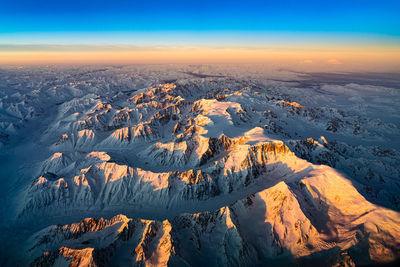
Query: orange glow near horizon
[307,58]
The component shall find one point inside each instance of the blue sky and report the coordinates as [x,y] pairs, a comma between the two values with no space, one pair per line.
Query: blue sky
[349,32]
[339,16]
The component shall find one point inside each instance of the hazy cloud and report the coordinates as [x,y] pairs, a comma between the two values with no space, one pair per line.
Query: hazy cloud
[334,62]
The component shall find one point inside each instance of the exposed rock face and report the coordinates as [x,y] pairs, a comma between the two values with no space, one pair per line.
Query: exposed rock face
[128,135]
[285,222]
[102,183]
[222,170]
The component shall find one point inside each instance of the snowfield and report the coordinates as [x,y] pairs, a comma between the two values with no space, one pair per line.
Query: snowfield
[186,165]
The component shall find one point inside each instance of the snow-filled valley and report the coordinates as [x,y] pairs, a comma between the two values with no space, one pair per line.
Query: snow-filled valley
[198,165]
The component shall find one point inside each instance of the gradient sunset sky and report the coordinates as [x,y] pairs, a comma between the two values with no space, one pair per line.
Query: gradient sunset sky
[304,34]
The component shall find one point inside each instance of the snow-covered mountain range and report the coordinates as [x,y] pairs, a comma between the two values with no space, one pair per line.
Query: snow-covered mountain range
[158,165]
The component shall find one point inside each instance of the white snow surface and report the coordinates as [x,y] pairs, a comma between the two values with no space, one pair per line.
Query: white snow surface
[196,165]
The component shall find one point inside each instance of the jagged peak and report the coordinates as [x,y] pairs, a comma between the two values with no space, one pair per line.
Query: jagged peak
[228,217]
[322,140]
[130,134]
[292,104]
[56,155]
[103,107]
[159,91]
[93,224]
[100,155]
[155,247]
[215,107]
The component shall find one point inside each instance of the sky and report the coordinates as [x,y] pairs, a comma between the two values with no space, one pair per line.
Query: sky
[344,33]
